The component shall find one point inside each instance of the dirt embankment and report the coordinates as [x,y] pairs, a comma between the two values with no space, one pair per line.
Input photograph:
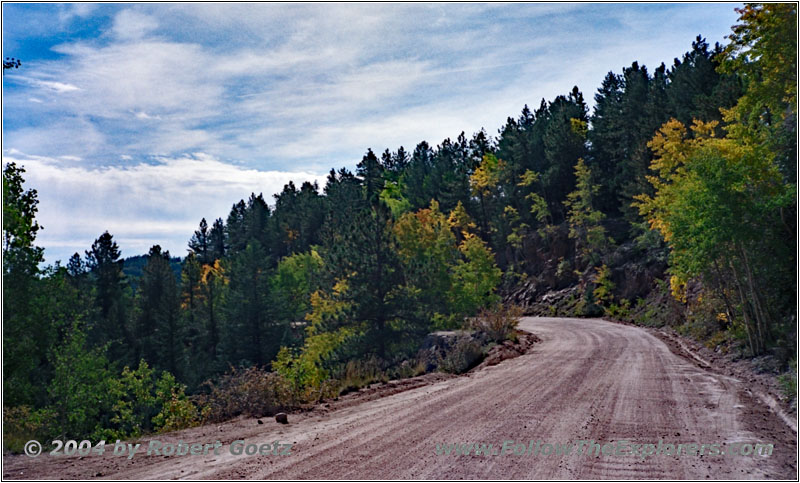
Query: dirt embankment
[586,380]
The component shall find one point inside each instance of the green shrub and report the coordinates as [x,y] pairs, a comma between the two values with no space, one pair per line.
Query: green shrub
[564,268]
[446,322]
[499,323]
[357,374]
[252,392]
[475,278]
[177,410]
[621,311]
[22,424]
[136,404]
[587,305]
[84,390]
[604,287]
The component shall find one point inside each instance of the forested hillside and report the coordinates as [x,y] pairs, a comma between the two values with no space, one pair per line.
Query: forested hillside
[672,201]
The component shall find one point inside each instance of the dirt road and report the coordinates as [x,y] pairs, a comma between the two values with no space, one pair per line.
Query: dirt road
[586,380]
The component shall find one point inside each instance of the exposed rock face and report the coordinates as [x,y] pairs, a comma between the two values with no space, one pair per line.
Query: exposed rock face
[552,287]
[443,338]
[547,303]
[437,345]
[458,351]
[446,339]
[509,349]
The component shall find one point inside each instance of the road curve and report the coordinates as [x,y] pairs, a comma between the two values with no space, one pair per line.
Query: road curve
[587,380]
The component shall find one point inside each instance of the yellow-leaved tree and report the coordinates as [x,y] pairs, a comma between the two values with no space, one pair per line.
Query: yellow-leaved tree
[717,204]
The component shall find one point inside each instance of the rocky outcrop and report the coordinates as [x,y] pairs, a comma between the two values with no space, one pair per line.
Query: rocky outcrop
[509,349]
[557,290]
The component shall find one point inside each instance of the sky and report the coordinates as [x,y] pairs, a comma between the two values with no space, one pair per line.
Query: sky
[141,119]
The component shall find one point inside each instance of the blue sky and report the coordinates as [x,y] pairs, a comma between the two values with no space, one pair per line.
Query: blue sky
[142,118]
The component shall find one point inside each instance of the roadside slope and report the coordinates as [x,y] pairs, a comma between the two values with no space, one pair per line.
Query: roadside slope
[587,379]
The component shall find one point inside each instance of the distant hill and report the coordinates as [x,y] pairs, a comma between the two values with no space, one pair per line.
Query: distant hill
[134,266]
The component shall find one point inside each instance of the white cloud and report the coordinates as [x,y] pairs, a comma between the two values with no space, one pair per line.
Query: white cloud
[132,25]
[144,115]
[71,11]
[141,204]
[270,84]
[59,87]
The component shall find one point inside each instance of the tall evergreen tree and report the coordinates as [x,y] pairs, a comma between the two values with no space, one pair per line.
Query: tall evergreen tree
[158,332]
[216,241]
[298,216]
[191,314]
[364,256]
[105,266]
[252,335]
[200,243]
[416,178]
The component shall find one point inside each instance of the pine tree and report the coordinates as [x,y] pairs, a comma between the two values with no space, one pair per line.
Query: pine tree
[159,334]
[298,216]
[216,241]
[585,222]
[359,253]
[105,267]
[200,243]
[235,229]
[416,178]
[191,314]
[251,335]
[213,293]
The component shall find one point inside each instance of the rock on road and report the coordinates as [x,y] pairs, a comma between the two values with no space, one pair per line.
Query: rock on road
[587,380]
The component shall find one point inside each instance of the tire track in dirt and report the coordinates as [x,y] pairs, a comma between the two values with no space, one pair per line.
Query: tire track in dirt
[587,379]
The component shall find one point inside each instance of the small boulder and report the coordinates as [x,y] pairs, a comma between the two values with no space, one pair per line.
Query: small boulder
[259,421]
[282,418]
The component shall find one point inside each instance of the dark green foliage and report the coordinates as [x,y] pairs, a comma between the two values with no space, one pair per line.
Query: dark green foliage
[298,218]
[359,249]
[22,331]
[216,240]
[252,335]
[158,332]
[441,174]
[249,222]
[192,315]
[200,243]
[417,177]
[546,142]
[83,389]
[20,256]
[631,106]
[111,299]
